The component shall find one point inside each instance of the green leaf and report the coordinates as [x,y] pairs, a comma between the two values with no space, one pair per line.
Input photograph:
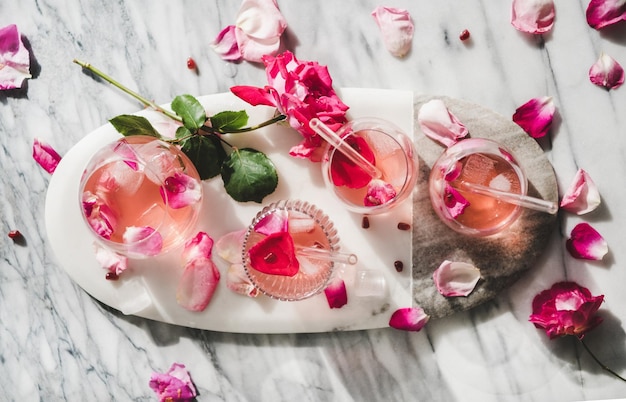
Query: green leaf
[182,132]
[249,175]
[206,153]
[228,120]
[190,110]
[128,124]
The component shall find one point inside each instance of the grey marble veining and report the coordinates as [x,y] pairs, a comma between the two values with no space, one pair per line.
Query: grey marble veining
[56,343]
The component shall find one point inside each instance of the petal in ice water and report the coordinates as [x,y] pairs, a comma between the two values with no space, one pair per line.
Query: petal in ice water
[455,203]
[119,176]
[125,151]
[277,221]
[143,240]
[180,190]
[379,192]
[161,162]
[409,319]
[100,216]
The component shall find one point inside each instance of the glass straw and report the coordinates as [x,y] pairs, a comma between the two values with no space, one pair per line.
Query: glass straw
[525,201]
[327,255]
[336,141]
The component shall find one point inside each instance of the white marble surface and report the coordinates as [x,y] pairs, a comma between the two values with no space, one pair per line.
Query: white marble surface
[56,343]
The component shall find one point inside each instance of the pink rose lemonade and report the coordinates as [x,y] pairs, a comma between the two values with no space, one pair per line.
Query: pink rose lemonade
[140,196]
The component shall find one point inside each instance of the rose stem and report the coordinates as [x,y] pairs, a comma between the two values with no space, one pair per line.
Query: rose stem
[599,362]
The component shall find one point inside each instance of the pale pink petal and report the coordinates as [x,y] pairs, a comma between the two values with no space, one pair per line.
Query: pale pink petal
[238,281]
[199,246]
[439,124]
[535,116]
[533,16]
[181,190]
[379,192]
[110,260]
[586,243]
[14,59]
[143,240]
[455,203]
[45,155]
[127,153]
[229,246]
[197,284]
[259,26]
[173,386]
[606,72]
[409,319]
[100,216]
[602,13]
[396,28]
[336,293]
[456,278]
[225,44]
[277,221]
[582,196]
[253,49]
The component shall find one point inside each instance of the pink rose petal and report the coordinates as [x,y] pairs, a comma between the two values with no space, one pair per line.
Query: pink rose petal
[127,153]
[181,190]
[409,319]
[275,222]
[45,155]
[439,124]
[535,116]
[336,294]
[197,284]
[14,59]
[110,260]
[99,215]
[533,16]
[582,196]
[456,278]
[225,44]
[455,203]
[606,72]
[238,282]
[199,246]
[229,246]
[396,27]
[586,243]
[379,192]
[143,240]
[602,13]
[259,26]
[173,386]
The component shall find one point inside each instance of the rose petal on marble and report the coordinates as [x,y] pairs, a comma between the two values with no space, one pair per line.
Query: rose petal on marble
[45,155]
[127,153]
[238,282]
[456,278]
[336,293]
[606,72]
[439,124]
[582,196]
[143,240]
[110,260]
[603,13]
[455,203]
[258,28]
[197,284]
[275,255]
[277,221]
[396,27]
[409,319]
[100,216]
[225,44]
[181,190]
[533,16]
[199,246]
[379,192]
[173,386]
[586,243]
[229,246]
[535,116]
[14,59]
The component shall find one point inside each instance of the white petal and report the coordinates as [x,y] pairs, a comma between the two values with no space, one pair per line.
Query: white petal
[456,278]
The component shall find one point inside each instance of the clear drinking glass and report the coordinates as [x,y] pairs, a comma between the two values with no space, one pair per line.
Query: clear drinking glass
[391,153]
[477,170]
[129,196]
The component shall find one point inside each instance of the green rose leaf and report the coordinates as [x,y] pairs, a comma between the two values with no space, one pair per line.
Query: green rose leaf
[206,153]
[127,125]
[190,110]
[228,121]
[249,175]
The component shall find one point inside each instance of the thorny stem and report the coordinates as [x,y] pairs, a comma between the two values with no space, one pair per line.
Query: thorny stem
[135,95]
[599,362]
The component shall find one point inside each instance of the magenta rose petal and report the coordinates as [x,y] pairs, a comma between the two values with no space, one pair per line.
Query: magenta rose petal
[275,222]
[45,155]
[455,203]
[127,153]
[606,72]
[603,13]
[14,59]
[535,116]
[586,243]
[409,319]
[173,386]
[396,27]
[336,293]
[456,278]
[100,216]
[225,44]
[379,192]
[439,124]
[533,16]
[582,196]
[143,240]
[181,190]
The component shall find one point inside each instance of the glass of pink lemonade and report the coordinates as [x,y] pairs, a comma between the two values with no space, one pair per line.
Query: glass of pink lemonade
[140,196]
[290,250]
[462,179]
[385,147]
